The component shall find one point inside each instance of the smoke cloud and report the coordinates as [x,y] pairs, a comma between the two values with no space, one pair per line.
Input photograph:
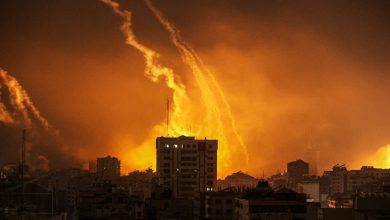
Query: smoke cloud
[21,114]
[298,77]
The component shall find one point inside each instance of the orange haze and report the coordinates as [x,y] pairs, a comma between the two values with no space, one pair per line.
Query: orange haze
[272,81]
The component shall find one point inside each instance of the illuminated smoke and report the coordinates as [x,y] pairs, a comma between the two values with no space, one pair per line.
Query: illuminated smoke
[4,114]
[199,70]
[212,96]
[382,157]
[154,70]
[20,101]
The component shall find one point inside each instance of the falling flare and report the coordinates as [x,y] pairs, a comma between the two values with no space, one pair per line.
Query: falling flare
[215,122]
[197,66]
[20,101]
[153,69]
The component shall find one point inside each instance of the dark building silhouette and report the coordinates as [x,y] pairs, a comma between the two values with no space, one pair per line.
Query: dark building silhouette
[222,204]
[162,205]
[239,180]
[296,172]
[108,202]
[297,168]
[263,202]
[108,166]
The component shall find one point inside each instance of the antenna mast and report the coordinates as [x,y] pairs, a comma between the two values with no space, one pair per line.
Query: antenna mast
[167,117]
[23,153]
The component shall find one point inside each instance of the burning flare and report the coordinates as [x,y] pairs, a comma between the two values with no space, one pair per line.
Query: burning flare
[203,76]
[20,102]
[215,122]
[153,69]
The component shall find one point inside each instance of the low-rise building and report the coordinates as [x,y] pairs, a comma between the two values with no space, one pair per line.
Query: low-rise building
[265,203]
[311,187]
[221,205]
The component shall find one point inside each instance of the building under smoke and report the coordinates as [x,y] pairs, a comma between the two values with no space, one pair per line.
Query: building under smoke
[108,166]
[187,166]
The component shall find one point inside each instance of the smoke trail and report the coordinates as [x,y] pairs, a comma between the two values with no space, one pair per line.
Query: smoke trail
[20,101]
[4,114]
[153,69]
[196,64]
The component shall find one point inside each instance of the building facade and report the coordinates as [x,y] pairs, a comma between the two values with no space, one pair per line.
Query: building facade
[186,166]
[297,168]
[108,167]
[263,202]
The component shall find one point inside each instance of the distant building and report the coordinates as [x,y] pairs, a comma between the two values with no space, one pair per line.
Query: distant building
[311,187]
[297,168]
[137,182]
[161,205]
[358,207]
[238,180]
[186,166]
[221,204]
[296,172]
[372,205]
[341,180]
[338,179]
[108,167]
[278,180]
[108,202]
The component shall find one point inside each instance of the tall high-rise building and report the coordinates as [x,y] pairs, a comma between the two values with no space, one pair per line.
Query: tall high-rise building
[108,166]
[297,168]
[187,166]
[296,172]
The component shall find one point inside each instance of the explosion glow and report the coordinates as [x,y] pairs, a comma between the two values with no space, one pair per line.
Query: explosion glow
[213,125]
[382,157]
[272,81]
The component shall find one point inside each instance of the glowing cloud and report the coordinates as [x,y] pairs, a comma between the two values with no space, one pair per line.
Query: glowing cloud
[203,76]
[382,157]
[20,101]
[216,121]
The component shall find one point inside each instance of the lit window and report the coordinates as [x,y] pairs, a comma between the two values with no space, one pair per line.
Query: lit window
[167,145]
[175,145]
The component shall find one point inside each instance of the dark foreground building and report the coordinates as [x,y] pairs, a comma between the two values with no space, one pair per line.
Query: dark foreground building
[263,202]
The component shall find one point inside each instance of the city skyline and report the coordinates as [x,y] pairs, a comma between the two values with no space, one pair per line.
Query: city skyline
[272,83]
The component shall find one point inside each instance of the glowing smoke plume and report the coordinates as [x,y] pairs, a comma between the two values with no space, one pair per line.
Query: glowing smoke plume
[189,56]
[382,157]
[153,69]
[212,124]
[20,101]
[4,114]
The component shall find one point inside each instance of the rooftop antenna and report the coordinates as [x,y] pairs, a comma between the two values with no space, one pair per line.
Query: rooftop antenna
[23,153]
[167,117]
[23,164]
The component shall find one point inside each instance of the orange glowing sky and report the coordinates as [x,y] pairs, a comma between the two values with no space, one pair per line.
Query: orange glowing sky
[275,79]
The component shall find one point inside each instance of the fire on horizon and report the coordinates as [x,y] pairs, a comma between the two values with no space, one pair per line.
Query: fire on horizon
[271,81]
